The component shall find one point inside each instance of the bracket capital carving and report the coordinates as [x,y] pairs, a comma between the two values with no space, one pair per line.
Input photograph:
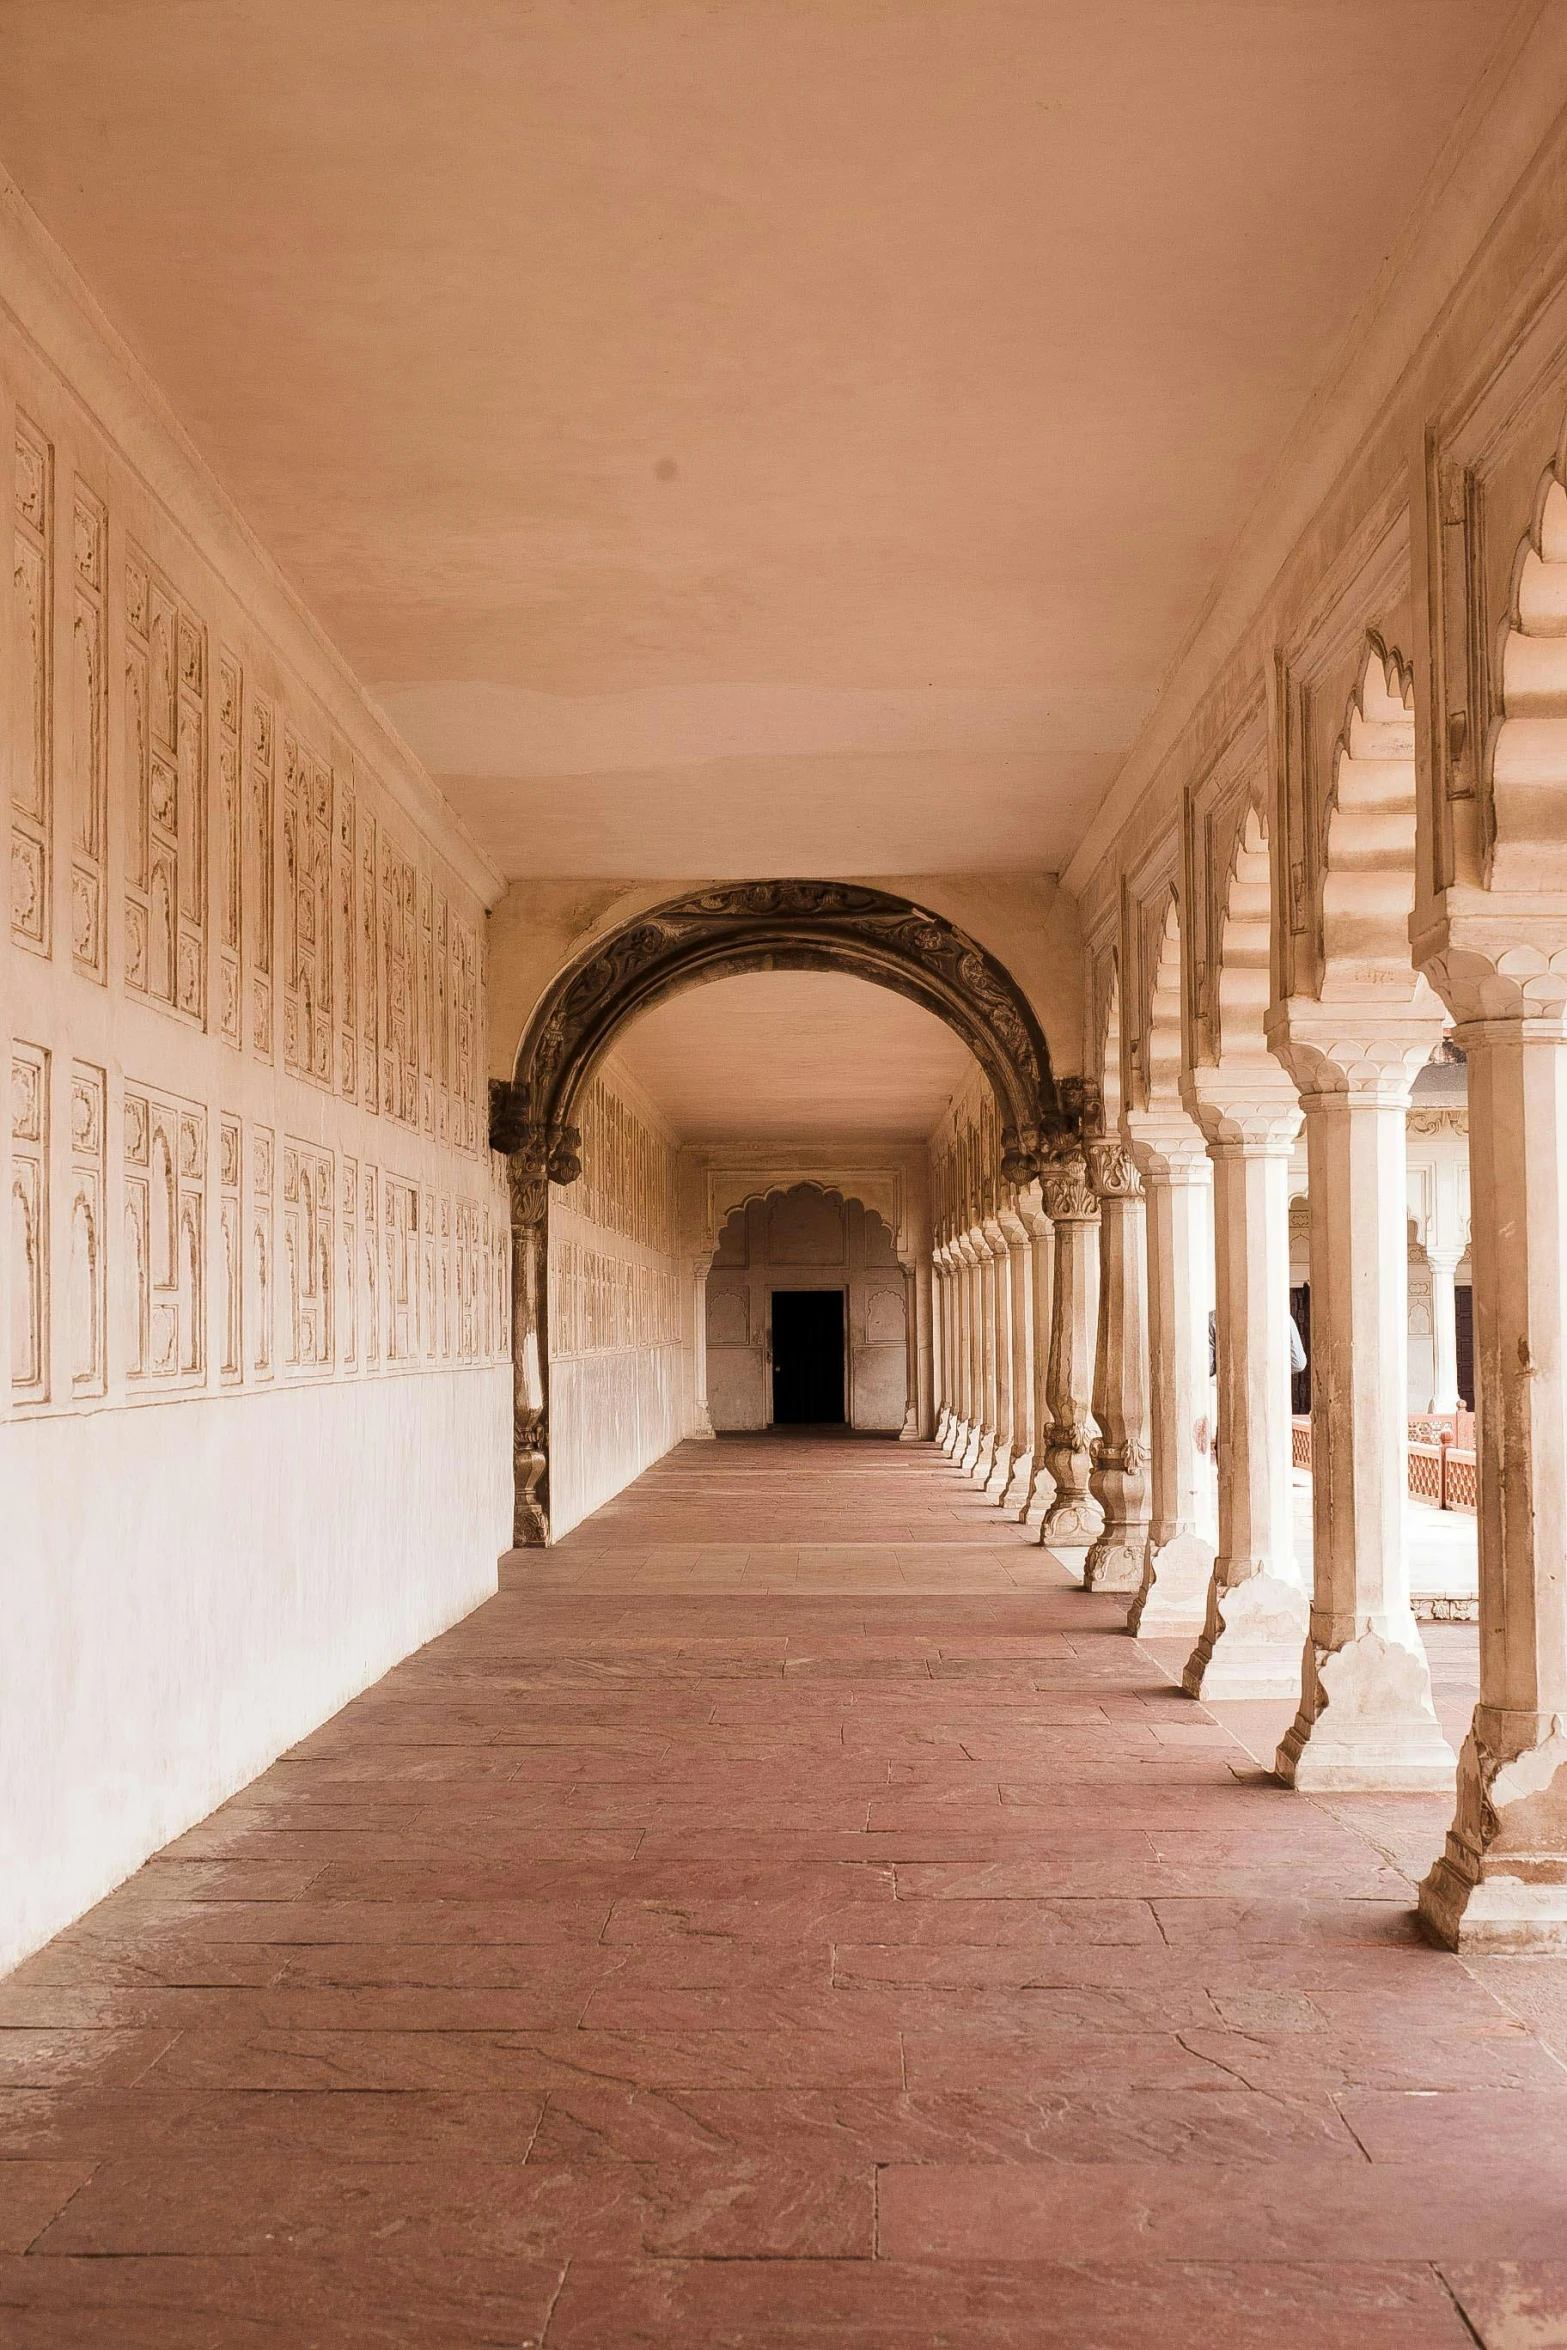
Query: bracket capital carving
[1070,1197]
[1113,1171]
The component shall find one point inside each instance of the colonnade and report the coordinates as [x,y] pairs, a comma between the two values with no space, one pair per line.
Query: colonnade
[1073,1382]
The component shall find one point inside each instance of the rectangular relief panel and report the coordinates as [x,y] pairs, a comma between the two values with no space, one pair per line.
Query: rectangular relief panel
[350,1249]
[346,944]
[307,893]
[231,1210]
[231,851]
[400,986]
[29,1224]
[261,1252]
[89,735]
[32,691]
[166,795]
[259,880]
[164,1273]
[370,1244]
[369,965]
[308,1203]
[402,1271]
[89,1285]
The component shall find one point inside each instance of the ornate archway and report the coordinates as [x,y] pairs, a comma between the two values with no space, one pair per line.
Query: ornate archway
[713,934]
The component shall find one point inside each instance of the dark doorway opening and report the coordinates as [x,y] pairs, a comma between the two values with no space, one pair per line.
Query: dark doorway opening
[1464,1316]
[1300,1381]
[808,1358]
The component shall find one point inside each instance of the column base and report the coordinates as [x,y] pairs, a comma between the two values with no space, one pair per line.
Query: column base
[1041,1499]
[1115,1562]
[1366,1724]
[943,1420]
[1172,1603]
[1000,1473]
[979,1467]
[1019,1485]
[956,1437]
[1069,1530]
[971,1450]
[1502,1882]
[1252,1641]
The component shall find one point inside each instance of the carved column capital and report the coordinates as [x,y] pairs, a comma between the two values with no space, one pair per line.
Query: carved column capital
[1113,1170]
[1069,1194]
[1355,1051]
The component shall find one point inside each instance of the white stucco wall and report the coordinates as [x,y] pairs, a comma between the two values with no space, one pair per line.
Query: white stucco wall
[254,1427]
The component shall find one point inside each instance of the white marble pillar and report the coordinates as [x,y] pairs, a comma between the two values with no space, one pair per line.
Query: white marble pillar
[1502,1882]
[1172,1602]
[1254,1633]
[1444,1263]
[1035,1504]
[1366,1721]
[1073,1517]
[911,1332]
[1000,1474]
[939,1345]
[701,1421]
[1020,1257]
[984,1450]
[1118,1472]
[952,1442]
[973,1372]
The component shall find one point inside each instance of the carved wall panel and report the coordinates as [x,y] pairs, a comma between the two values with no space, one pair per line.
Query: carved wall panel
[231,851]
[370,1244]
[29,1224]
[307,898]
[166,771]
[88,1276]
[258,882]
[89,734]
[345,956]
[402,1270]
[231,1226]
[400,986]
[262,1253]
[165,1239]
[32,790]
[308,1204]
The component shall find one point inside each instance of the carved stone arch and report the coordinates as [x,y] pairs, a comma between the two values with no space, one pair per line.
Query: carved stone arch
[1367,848]
[775,926]
[1162,1028]
[712,934]
[1243,936]
[1105,1061]
[1526,754]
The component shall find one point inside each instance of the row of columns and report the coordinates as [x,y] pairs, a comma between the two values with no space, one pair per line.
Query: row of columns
[1084,1412]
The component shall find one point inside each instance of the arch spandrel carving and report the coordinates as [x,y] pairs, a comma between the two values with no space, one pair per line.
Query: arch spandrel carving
[779,926]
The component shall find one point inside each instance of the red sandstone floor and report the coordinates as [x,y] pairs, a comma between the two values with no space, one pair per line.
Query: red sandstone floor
[789,1914]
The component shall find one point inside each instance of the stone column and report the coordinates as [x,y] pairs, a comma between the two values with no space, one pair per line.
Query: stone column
[1502,1882]
[1000,1475]
[983,1451]
[1020,1260]
[952,1264]
[1444,1263]
[911,1321]
[530,1355]
[1073,1517]
[1366,1720]
[1034,1505]
[701,1423]
[1254,1633]
[973,1384]
[938,1325]
[1118,1475]
[1178,1181]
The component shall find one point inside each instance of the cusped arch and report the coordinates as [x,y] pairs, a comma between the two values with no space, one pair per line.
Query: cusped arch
[1243,978]
[1368,852]
[774,926]
[1527,752]
[1162,1039]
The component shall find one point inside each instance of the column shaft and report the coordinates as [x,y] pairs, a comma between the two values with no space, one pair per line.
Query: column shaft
[1502,1881]
[1118,1475]
[1445,1397]
[1366,1719]
[1073,1518]
[1254,1634]
[1172,1602]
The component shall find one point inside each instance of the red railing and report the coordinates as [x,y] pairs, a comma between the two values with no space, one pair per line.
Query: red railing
[1441,1459]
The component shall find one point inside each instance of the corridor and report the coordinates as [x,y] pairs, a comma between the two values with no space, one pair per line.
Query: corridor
[790,1913]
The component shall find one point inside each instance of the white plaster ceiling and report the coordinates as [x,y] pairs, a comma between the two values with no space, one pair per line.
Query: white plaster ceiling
[795,1056]
[794,437]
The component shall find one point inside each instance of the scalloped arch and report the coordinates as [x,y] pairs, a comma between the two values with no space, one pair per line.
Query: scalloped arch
[775,926]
